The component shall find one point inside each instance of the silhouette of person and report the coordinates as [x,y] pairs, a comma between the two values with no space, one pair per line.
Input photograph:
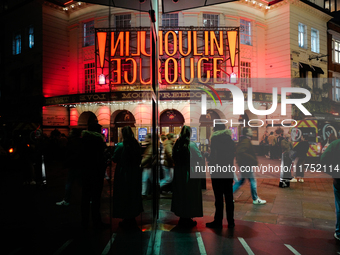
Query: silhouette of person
[93,166]
[246,158]
[222,154]
[187,194]
[127,185]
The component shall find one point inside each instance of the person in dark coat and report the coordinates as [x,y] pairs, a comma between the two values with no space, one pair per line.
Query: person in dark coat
[222,155]
[127,186]
[301,155]
[187,194]
[246,158]
[93,167]
[330,160]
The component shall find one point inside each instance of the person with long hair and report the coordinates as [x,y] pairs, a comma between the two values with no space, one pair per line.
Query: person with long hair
[187,194]
[127,200]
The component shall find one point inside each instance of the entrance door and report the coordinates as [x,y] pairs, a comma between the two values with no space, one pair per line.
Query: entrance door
[122,119]
[171,121]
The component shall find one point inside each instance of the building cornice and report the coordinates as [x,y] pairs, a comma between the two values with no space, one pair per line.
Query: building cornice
[311,8]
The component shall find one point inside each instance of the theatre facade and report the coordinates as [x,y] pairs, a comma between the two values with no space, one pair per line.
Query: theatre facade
[105,72]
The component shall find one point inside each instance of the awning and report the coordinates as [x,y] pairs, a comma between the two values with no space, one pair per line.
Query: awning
[306,67]
[317,69]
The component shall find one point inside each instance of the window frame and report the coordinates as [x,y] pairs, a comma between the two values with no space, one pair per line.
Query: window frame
[30,33]
[170,17]
[317,38]
[246,35]
[122,18]
[212,18]
[17,43]
[89,77]
[334,89]
[245,77]
[335,52]
[302,36]
[88,34]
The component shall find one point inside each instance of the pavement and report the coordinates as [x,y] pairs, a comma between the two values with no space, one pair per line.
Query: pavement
[295,220]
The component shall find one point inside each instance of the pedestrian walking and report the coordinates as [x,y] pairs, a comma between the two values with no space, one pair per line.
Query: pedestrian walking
[93,166]
[222,155]
[246,159]
[272,142]
[147,167]
[127,200]
[301,154]
[330,160]
[286,162]
[187,194]
[167,163]
[71,164]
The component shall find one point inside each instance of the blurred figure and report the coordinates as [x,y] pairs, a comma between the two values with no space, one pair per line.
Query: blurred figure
[246,157]
[93,167]
[187,194]
[146,164]
[286,162]
[272,142]
[301,155]
[331,160]
[127,200]
[222,154]
[168,164]
[71,163]
[264,144]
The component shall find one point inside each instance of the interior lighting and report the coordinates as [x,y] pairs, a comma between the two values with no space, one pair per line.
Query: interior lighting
[233,77]
[101,79]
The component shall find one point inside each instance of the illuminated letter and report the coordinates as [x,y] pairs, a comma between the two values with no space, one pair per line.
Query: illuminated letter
[134,72]
[297,101]
[167,71]
[195,45]
[261,112]
[160,44]
[120,40]
[215,69]
[214,40]
[143,44]
[127,43]
[232,36]
[192,71]
[140,74]
[180,41]
[199,71]
[159,71]
[118,71]
[206,43]
[137,46]
[238,98]
[166,41]
[101,36]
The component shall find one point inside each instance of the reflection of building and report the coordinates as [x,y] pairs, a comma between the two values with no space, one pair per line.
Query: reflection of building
[70,59]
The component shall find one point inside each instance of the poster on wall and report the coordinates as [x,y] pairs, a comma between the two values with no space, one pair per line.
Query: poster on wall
[193,134]
[142,133]
[234,133]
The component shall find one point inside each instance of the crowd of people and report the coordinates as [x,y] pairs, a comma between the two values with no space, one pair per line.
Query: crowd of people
[177,160]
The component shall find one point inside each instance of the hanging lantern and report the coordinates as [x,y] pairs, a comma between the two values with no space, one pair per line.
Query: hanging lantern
[101,79]
[233,77]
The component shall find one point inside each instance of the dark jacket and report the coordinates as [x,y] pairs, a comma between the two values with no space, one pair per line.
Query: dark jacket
[222,153]
[331,160]
[167,147]
[127,185]
[187,193]
[245,153]
[302,148]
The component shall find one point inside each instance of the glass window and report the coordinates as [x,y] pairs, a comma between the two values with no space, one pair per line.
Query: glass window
[123,20]
[336,89]
[170,20]
[89,77]
[302,36]
[336,51]
[315,41]
[89,33]
[210,20]
[245,32]
[30,37]
[16,43]
[245,75]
